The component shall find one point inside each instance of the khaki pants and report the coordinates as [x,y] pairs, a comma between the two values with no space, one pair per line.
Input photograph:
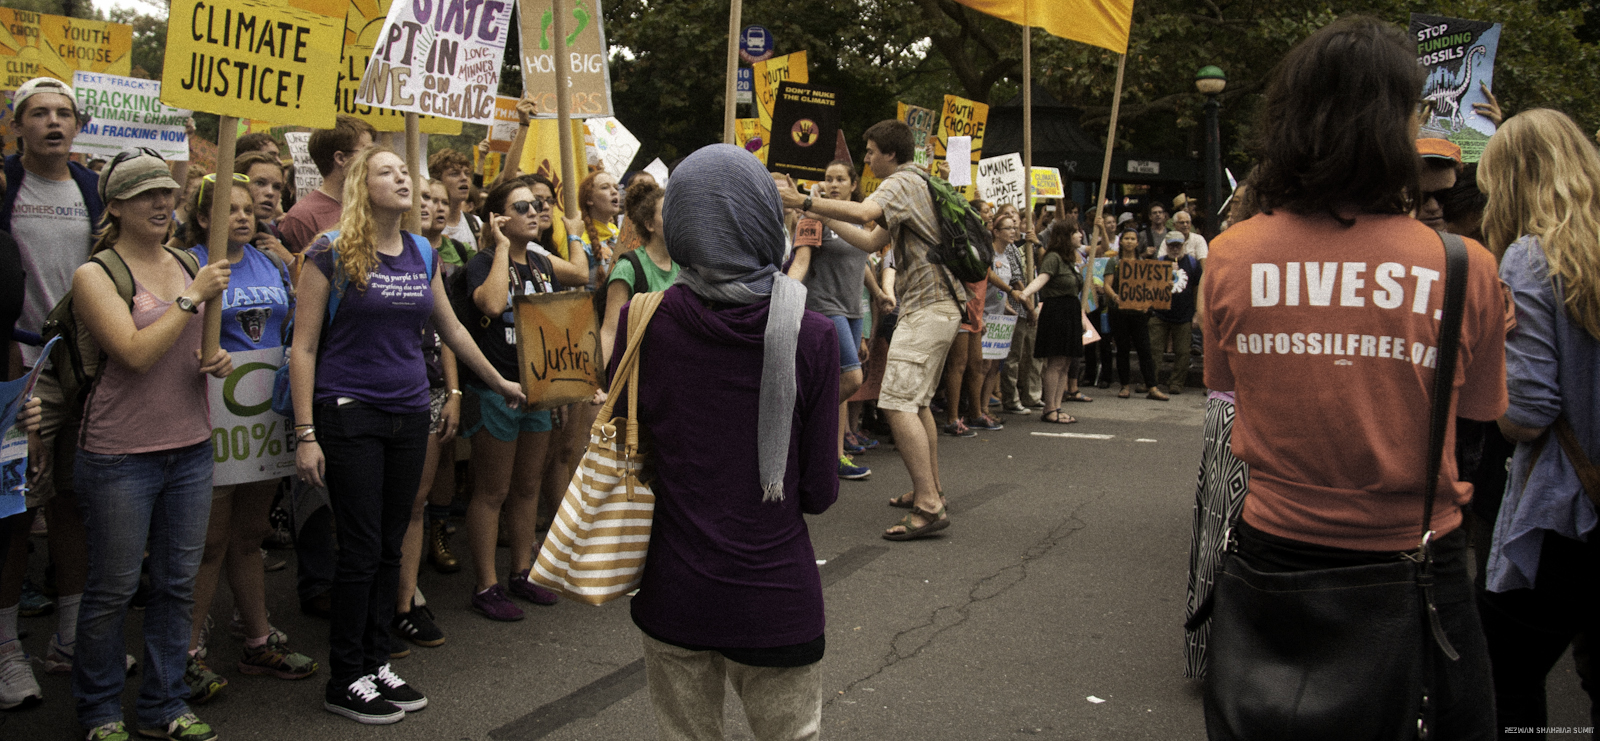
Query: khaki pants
[1160,332]
[686,689]
[1019,380]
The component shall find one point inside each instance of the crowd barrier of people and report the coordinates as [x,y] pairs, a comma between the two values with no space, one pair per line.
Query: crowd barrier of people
[411,426]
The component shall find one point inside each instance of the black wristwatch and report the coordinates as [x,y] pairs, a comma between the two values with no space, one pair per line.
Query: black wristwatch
[807,205]
[187,304]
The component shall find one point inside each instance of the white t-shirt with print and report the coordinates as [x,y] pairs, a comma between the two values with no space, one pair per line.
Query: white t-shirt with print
[50,222]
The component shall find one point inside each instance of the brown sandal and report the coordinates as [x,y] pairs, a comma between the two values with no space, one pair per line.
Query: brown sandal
[932,522]
[906,500]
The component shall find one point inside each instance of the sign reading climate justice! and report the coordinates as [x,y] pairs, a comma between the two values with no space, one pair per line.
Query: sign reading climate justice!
[440,58]
[260,59]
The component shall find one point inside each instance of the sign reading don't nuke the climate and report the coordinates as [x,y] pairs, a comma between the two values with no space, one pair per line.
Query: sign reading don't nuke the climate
[42,45]
[270,60]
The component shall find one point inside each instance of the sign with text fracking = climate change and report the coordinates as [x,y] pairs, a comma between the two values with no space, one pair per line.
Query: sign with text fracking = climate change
[439,58]
[43,45]
[127,112]
[588,72]
[258,59]
[362,23]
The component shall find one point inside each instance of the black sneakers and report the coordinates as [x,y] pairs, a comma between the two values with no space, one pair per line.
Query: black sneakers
[395,690]
[363,703]
[417,626]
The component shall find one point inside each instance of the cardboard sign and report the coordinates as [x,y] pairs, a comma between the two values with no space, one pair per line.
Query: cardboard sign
[249,442]
[259,59]
[1459,56]
[362,24]
[504,129]
[611,144]
[962,117]
[1144,284]
[588,68]
[558,347]
[997,331]
[127,112]
[658,170]
[769,73]
[438,58]
[1047,183]
[924,124]
[805,126]
[808,233]
[41,45]
[1003,180]
[306,176]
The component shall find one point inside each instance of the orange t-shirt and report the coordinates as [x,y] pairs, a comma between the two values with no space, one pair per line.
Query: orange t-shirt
[1327,337]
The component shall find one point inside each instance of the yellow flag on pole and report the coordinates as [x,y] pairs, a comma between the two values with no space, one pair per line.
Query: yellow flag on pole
[1102,23]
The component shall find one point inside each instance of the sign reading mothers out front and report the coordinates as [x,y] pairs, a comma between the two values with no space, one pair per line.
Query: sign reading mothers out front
[269,60]
[558,347]
[1144,284]
[439,58]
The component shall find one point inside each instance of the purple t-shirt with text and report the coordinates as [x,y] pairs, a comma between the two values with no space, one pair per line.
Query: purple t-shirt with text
[372,352]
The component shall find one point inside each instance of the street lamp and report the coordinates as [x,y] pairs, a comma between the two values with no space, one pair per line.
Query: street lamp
[1210,81]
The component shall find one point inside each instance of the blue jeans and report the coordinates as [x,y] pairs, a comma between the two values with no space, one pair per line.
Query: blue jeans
[374,465]
[156,502]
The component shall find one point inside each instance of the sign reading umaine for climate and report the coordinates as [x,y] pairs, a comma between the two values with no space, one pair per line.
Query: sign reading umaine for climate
[439,58]
[127,112]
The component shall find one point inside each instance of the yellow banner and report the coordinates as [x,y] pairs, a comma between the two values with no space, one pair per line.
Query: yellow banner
[768,75]
[1102,23]
[540,155]
[962,117]
[40,45]
[362,23]
[258,59]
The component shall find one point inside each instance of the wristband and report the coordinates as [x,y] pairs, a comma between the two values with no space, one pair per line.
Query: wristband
[574,238]
[306,435]
[455,392]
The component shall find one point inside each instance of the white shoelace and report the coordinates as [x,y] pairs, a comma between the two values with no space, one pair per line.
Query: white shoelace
[388,677]
[365,689]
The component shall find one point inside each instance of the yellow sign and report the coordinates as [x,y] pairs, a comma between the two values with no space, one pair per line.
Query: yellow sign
[1102,23]
[558,348]
[746,129]
[539,155]
[962,117]
[768,74]
[924,124]
[588,72]
[258,59]
[869,181]
[1047,183]
[361,26]
[504,130]
[40,45]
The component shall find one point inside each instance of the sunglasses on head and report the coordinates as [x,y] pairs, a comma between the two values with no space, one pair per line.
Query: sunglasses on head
[199,193]
[124,156]
[523,207]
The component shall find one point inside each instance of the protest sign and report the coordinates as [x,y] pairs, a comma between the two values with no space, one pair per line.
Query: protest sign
[1091,300]
[1003,179]
[1047,183]
[42,45]
[249,441]
[924,125]
[962,117]
[958,149]
[769,73]
[558,347]
[504,129]
[438,58]
[541,153]
[260,59]
[589,72]
[869,181]
[127,112]
[805,122]
[1144,284]
[362,24]
[997,331]
[306,176]
[14,442]
[612,144]
[747,134]
[1459,58]
[658,170]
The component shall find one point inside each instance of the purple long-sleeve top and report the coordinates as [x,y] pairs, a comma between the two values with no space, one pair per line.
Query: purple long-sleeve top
[726,570]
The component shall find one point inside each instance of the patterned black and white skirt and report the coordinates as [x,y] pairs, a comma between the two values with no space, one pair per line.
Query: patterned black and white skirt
[1218,499]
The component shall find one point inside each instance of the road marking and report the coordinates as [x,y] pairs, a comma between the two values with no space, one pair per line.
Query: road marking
[1079,435]
[1146,440]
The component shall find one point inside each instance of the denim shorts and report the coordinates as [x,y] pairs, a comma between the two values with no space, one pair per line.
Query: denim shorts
[503,422]
[849,342]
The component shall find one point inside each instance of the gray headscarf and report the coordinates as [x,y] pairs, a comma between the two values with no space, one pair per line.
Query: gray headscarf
[724,225]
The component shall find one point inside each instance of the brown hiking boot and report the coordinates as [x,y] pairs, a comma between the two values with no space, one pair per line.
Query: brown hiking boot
[439,549]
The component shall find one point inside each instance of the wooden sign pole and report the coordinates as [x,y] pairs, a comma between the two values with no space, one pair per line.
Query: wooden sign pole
[735,11]
[1105,176]
[569,181]
[217,238]
[1027,133]
[413,220]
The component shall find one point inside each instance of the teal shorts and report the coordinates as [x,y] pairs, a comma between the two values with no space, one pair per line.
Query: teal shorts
[503,422]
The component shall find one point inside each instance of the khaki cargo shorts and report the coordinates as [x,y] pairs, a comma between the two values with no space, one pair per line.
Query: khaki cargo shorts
[57,436]
[916,356]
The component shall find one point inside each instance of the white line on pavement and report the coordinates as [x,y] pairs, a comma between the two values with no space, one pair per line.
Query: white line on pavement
[1079,435]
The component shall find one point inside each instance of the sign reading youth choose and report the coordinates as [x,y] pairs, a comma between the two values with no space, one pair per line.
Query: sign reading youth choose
[127,112]
[42,45]
[440,58]
[269,60]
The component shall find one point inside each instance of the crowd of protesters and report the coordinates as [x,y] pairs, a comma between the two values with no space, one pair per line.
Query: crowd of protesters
[401,353]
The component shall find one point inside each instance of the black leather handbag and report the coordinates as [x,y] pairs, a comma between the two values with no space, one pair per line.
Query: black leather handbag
[1338,653]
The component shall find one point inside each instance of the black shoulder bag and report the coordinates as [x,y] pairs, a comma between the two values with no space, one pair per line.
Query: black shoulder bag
[1339,653]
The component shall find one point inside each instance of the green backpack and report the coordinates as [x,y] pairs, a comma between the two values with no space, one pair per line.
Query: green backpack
[964,244]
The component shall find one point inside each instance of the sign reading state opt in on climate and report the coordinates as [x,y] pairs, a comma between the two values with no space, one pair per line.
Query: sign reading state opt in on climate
[439,57]
[269,60]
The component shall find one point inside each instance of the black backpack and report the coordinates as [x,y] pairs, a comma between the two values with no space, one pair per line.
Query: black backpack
[964,244]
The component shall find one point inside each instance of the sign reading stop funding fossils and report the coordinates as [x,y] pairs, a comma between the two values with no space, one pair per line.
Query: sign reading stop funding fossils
[558,347]
[439,58]
[269,60]
[127,112]
[588,73]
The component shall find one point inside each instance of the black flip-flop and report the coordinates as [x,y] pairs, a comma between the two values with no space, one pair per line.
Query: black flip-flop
[1078,396]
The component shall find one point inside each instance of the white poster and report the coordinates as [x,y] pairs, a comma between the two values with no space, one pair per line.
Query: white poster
[958,154]
[658,170]
[997,331]
[249,441]
[439,58]
[1003,180]
[306,176]
[127,112]
[612,144]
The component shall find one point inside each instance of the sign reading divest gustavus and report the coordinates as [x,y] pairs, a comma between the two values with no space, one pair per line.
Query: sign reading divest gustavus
[362,23]
[558,347]
[260,59]
[127,112]
[439,58]
[588,73]
[1144,284]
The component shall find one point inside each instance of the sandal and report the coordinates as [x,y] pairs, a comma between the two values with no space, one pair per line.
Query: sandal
[1058,418]
[904,501]
[1123,394]
[1078,396]
[933,522]
[1156,394]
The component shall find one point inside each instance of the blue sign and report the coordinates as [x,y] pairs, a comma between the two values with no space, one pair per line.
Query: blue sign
[755,44]
[747,80]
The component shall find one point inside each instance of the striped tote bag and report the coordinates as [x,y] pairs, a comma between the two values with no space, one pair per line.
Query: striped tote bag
[595,550]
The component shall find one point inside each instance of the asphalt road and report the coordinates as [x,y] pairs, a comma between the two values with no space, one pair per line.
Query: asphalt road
[1059,582]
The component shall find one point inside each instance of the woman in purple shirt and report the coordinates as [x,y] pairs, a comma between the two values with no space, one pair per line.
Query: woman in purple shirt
[358,371]
[730,584]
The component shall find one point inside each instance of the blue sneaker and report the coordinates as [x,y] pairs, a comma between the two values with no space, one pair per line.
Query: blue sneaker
[851,448]
[849,470]
[860,440]
[33,602]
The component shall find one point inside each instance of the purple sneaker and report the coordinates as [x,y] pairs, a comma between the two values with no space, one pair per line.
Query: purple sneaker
[496,605]
[524,587]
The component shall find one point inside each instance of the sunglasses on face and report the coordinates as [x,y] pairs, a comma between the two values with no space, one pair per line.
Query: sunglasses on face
[523,207]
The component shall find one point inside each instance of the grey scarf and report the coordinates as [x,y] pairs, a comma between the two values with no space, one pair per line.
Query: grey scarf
[724,225]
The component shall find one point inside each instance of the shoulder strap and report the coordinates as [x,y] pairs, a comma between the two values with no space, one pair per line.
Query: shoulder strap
[117,270]
[335,290]
[186,259]
[640,310]
[1444,375]
[640,285]
[425,250]
[1588,473]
